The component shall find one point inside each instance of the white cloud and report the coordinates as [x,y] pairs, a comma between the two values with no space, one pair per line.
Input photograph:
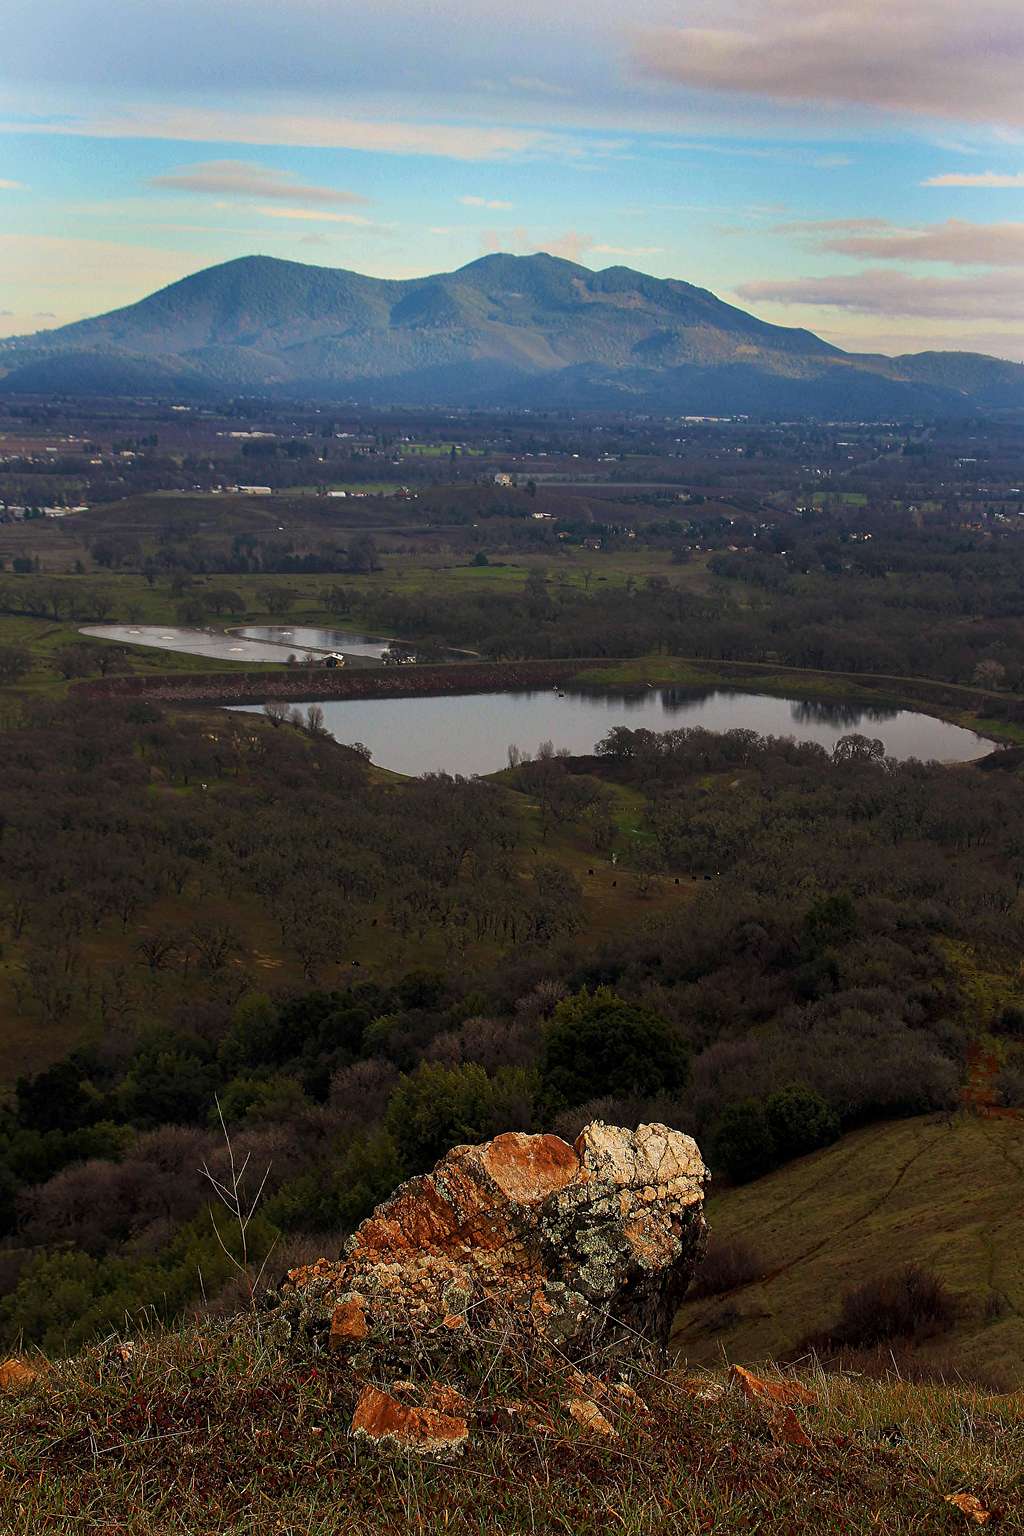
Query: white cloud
[570,244]
[482,202]
[12,186]
[452,141]
[318,215]
[781,152]
[241,178]
[981,179]
[533,85]
[876,291]
[922,57]
[633,252]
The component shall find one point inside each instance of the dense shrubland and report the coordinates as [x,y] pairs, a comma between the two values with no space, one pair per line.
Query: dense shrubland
[940,604]
[811,977]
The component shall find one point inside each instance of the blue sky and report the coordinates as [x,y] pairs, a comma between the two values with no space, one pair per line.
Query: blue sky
[854,167]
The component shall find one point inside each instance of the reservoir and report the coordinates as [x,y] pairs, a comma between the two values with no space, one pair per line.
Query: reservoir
[254,642]
[471,733]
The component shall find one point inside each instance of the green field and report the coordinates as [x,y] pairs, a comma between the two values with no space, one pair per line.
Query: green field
[943,1191]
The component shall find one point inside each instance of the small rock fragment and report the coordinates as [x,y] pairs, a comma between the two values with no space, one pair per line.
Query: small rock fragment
[16,1375]
[348,1324]
[774,1391]
[589,1416]
[384,1422]
[629,1395]
[971,1506]
[445,1399]
[787,1427]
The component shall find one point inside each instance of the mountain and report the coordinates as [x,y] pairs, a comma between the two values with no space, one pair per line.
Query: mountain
[502,331]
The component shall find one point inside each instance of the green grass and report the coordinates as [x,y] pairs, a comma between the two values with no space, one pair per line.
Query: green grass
[942,1191]
[213,1430]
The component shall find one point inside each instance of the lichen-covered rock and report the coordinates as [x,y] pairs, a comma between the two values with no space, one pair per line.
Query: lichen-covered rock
[567,1239]
[383,1420]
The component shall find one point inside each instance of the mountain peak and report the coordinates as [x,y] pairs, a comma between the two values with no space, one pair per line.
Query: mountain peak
[503,330]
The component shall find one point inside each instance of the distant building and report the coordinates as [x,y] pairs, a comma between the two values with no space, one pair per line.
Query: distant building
[255,490]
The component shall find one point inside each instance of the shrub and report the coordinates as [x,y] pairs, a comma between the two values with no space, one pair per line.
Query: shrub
[166,1083]
[254,1036]
[909,1303]
[440,1107]
[728,1263]
[742,1144]
[832,920]
[1009,1085]
[599,1044]
[1011,1022]
[799,1121]
[321,1200]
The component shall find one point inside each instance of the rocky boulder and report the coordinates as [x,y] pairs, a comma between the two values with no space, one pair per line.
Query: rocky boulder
[568,1241]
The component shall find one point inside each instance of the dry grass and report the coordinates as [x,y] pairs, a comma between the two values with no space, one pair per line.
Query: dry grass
[213,1430]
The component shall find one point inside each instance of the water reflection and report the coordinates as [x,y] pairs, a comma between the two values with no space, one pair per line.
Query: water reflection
[850,717]
[256,642]
[191,642]
[471,733]
[306,637]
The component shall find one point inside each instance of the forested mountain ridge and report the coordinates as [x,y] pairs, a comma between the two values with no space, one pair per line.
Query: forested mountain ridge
[501,331]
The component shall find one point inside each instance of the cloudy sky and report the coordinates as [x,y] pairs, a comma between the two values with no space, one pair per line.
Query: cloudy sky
[854,166]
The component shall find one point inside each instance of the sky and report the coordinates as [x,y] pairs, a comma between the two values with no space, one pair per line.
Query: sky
[853,166]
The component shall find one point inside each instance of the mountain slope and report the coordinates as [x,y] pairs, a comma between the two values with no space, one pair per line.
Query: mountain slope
[941,1192]
[504,330]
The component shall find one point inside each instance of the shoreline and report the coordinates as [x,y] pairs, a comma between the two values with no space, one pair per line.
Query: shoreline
[951,702]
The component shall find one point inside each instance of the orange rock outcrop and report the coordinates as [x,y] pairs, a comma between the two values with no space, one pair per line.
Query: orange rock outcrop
[572,1239]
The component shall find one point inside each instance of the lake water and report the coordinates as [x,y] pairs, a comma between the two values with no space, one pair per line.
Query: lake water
[266,642]
[471,733]
[301,638]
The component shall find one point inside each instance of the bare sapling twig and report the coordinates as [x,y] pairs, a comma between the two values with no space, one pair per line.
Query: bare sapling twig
[231,1193]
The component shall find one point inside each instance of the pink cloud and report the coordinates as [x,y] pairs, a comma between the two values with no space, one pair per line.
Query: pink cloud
[955,241]
[922,57]
[991,296]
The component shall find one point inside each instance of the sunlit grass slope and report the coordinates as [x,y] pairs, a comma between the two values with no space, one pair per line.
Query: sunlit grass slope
[945,1192]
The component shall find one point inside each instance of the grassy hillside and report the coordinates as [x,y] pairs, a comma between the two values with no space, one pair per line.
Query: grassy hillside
[943,1191]
[215,1431]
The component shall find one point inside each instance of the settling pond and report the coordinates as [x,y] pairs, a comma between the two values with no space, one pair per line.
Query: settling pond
[471,733]
[255,642]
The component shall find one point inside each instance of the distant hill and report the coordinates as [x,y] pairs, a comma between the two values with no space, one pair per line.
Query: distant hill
[503,331]
[938,1191]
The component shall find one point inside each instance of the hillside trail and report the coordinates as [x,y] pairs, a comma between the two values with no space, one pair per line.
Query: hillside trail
[979,1090]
